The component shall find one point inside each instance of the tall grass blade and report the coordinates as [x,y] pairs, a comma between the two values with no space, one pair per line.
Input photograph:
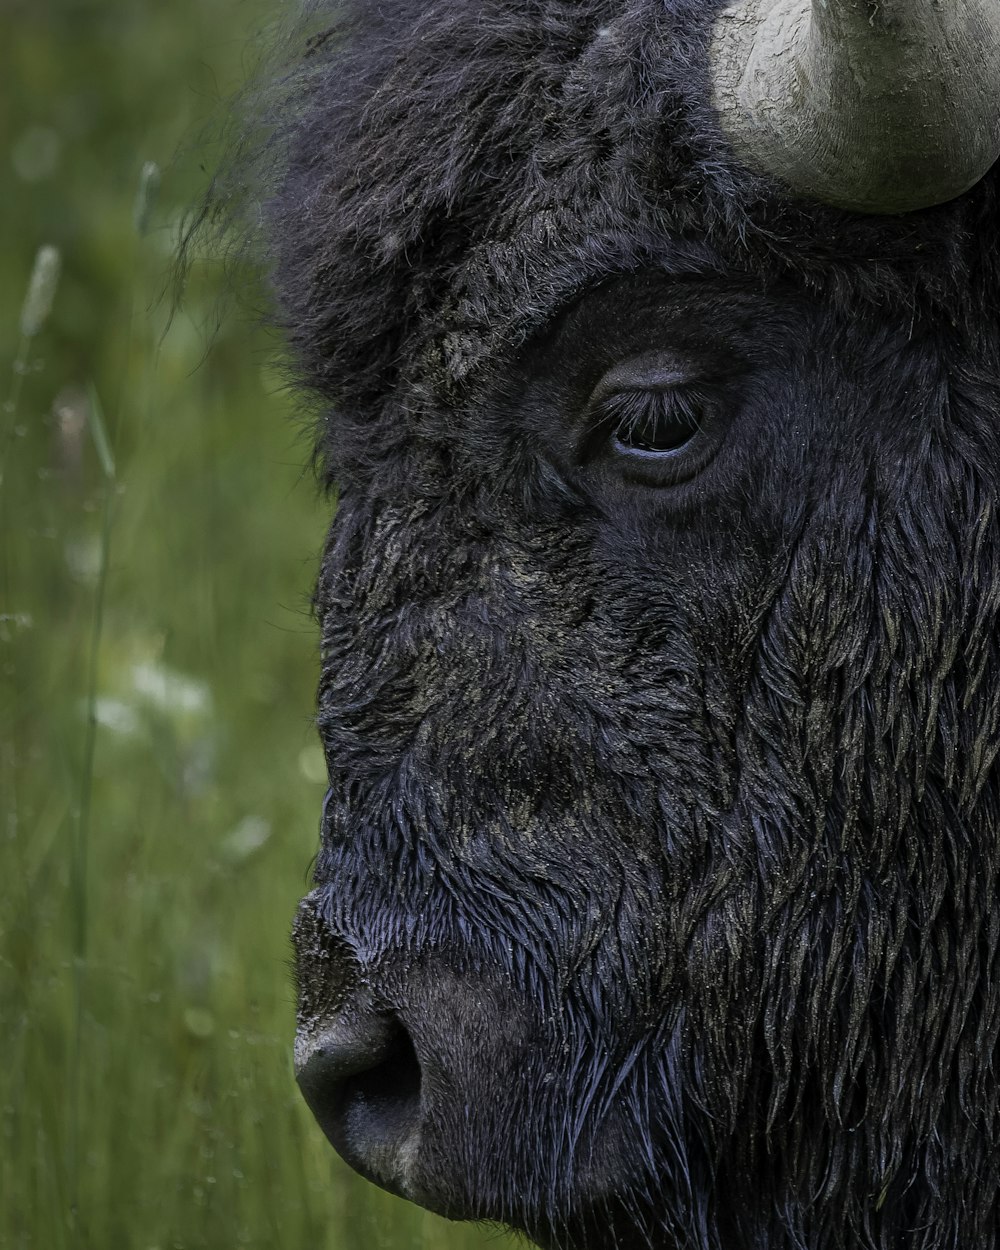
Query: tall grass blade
[79,858]
[99,433]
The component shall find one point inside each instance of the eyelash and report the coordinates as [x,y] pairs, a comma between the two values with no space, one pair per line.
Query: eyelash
[650,424]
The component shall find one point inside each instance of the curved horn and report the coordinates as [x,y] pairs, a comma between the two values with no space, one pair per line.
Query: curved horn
[881,106]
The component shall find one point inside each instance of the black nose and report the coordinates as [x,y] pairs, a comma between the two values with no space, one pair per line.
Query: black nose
[360,1075]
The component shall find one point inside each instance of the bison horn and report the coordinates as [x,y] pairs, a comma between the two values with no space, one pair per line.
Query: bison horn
[880,106]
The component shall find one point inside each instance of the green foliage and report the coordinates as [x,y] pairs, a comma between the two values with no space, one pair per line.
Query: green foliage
[160,781]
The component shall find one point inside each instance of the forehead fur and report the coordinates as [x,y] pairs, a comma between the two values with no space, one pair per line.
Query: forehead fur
[453,172]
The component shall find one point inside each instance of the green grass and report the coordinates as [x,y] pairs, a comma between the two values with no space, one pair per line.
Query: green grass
[160,780]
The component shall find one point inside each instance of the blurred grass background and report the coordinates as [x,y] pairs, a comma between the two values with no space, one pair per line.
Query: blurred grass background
[160,781]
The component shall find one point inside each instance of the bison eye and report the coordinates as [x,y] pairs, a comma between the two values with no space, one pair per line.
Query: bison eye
[655,419]
[652,422]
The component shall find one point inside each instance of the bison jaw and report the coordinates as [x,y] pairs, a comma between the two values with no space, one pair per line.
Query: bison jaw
[878,108]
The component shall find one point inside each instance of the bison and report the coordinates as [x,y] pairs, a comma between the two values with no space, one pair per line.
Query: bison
[657,348]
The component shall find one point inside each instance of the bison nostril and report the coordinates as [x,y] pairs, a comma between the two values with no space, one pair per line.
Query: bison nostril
[362,1083]
[388,1091]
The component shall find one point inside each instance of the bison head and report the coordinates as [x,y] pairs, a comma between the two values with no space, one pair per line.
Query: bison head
[657,897]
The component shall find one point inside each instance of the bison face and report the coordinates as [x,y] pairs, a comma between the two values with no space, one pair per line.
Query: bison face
[656,898]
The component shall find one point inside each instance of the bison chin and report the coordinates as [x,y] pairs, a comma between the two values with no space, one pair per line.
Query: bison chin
[450,1089]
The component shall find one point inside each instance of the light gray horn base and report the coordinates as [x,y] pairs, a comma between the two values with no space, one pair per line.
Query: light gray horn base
[878,106]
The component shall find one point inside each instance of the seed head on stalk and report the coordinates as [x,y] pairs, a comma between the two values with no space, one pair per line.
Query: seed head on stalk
[41,290]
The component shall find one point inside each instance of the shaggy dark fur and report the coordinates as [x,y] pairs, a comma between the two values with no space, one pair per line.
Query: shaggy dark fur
[664,817]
